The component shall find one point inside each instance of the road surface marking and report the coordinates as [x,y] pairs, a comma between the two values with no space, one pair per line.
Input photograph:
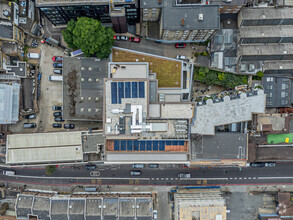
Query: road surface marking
[254,178]
[95,173]
[249,178]
[157,178]
[81,178]
[235,178]
[244,178]
[176,178]
[280,177]
[171,178]
[204,178]
[162,178]
[166,178]
[240,178]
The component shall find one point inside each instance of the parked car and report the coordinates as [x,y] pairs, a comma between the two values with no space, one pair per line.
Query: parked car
[137,165]
[155,214]
[184,175]
[270,164]
[57,59]
[58,119]
[134,39]
[180,45]
[57,125]
[57,71]
[116,37]
[153,165]
[69,126]
[29,125]
[57,114]
[57,65]
[180,57]
[33,116]
[56,108]
[124,38]
[135,173]
[259,164]
[90,167]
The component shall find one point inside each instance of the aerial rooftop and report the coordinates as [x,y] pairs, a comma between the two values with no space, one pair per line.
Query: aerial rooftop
[83,88]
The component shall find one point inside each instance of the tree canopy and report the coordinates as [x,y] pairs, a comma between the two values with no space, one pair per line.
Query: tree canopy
[90,36]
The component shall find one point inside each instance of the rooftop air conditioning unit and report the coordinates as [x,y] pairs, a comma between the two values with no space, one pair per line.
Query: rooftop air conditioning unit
[200,17]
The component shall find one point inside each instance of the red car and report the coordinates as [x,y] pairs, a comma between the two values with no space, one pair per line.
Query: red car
[134,39]
[180,45]
[57,59]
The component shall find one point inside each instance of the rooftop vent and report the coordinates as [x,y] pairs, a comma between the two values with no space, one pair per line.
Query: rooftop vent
[90,68]
[97,80]
[89,110]
[82,68]
[81,98]
[82,110]
[182,21]
[90,79]
[200,17]
[82,79]
[89,98]
[97,99]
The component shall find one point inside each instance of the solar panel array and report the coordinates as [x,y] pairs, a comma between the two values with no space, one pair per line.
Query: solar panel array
[120,90]
[142,145]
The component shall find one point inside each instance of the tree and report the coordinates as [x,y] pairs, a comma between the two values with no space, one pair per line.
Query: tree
[50,169]
[90,36]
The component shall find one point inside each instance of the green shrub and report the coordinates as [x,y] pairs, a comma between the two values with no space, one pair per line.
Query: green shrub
[221,76]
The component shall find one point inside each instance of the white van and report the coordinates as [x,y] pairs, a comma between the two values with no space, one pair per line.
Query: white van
[9,172]
[33,56]
[55,78]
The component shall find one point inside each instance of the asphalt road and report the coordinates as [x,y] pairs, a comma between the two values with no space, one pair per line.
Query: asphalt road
[164,175]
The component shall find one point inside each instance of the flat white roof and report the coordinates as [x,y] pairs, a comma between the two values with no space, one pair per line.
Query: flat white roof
[177,110]
[44,147]
[230,111]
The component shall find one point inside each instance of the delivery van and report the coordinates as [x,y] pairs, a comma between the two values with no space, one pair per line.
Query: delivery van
[55,78]
[33,56]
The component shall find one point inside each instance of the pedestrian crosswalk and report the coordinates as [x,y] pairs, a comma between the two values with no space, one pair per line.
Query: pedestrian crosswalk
[245,178]
[166,178]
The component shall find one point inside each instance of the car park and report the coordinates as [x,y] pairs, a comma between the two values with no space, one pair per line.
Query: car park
[90,167]
[57,65]
[58,119]
[57,71]
[135,173]
[258,164]
[33,116]
[181,57]
[57,125]
[29,125]
[134,39]
[153,165]
[180,45]
[184,175]
[56,108]
[57,59]
[69,126]
[270,164]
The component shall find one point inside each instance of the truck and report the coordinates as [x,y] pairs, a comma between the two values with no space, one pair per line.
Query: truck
[55,78]
[9,172]
[52,41]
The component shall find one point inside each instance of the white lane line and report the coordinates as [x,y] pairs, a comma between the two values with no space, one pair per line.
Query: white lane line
[157,178]
[204,178]
[273,177]
[254,178]
[244,178]
[249,178]
[81,178]
[235,178]
[166,178]
[240,178]
[162,178]
[176,178]
[171,178]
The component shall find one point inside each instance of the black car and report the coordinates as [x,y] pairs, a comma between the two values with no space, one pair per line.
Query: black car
[58,119]
[56,108]
[69,126]
[33,116]
[90,167]
[57,125]
[57,114]
[57,65]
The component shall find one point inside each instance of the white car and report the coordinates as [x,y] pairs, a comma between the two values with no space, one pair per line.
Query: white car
[180,57]
[155,214]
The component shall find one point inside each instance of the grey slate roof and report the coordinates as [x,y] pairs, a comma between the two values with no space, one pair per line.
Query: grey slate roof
[172,17]
[6,31]
[279,91]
